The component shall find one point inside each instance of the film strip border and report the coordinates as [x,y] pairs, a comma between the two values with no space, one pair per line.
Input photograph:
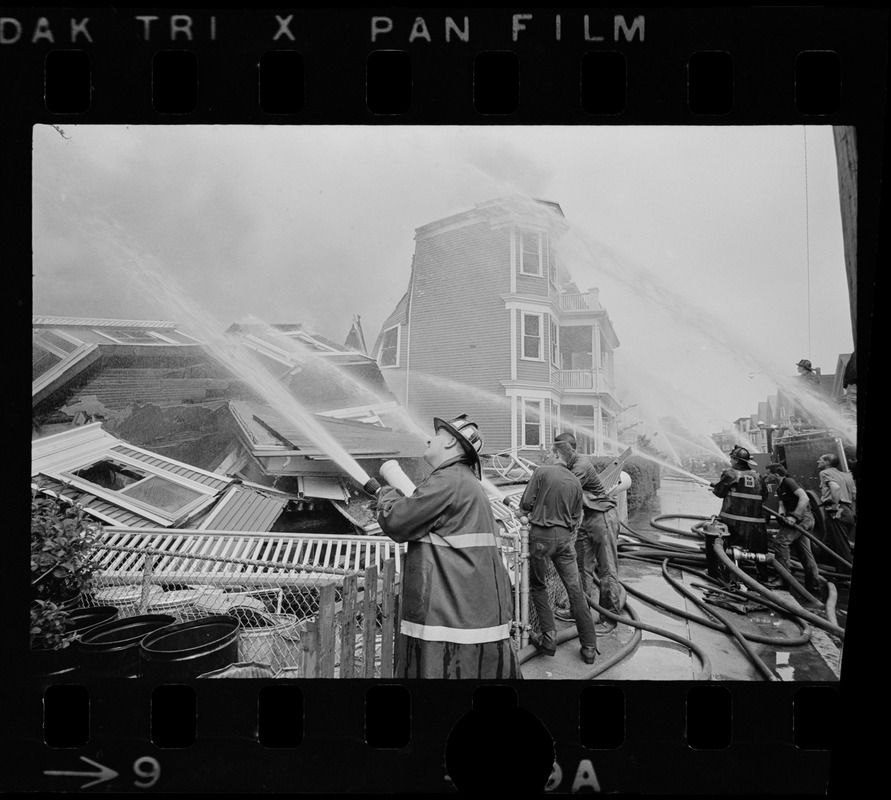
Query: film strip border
[398,66]
[279,736]
[403,66]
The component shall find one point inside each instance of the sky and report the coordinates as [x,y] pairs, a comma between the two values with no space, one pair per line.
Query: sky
[717,250]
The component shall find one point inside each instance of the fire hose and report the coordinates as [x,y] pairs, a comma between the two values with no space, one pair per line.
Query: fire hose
[734,631]
[803,638]
[791,581]
[811,536]
[633,621]
[830,603]
[830,626]
[784,573]
[754,585]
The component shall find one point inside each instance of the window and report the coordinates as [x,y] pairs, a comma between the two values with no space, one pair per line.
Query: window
[534,256]
[532,423]
[41,360]
[555,344]
[158,493]
[556,419]
[134,336]
[532,345]
[47,350]
[388,356]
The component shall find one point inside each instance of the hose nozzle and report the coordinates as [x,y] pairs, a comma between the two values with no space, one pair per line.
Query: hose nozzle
[371,486]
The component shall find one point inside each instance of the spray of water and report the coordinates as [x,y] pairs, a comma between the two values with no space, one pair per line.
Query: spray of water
[113,249]
[301,354]
[714,450]
[577,247]
[504,402]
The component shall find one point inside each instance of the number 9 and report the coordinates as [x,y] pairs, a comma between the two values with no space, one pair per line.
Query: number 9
[148,768]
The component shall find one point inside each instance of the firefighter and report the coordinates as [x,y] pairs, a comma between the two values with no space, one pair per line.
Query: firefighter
[553,501]
[597,543]
[743,492]
[456,594]
[807,372]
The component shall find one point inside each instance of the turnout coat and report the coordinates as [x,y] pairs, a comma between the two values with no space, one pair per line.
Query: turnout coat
[743,493]
[456,595]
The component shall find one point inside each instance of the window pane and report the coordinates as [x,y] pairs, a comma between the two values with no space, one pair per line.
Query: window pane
[532,426]
[161,493]
[530,347]
[134,336]
[41,361]
[530,253]
[389,352]
[530,325]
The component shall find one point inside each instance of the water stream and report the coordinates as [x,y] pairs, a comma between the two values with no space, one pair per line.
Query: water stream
[145,269]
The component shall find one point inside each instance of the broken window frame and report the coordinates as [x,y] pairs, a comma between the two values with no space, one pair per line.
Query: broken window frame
[115,336]
[122,498]
[395,347]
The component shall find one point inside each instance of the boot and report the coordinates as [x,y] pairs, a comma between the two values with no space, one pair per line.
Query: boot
[589,653]
[545,642]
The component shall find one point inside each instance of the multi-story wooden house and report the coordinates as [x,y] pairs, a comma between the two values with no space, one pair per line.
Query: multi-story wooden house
[492,325]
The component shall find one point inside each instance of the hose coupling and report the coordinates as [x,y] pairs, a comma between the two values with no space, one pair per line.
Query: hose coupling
[750,557]
[372,486]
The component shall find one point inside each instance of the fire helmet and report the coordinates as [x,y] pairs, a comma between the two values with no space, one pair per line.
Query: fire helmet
[467,434]
[741,454]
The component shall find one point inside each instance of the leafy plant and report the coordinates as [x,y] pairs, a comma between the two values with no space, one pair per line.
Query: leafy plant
[49,626]
[61,566]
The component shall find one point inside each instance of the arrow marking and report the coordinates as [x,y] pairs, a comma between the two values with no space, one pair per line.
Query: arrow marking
[104,774]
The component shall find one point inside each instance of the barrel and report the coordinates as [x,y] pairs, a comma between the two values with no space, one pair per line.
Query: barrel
[82,619]
[188,649]
[56,666]
[111,650]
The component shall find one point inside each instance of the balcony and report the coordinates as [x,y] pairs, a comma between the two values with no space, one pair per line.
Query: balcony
[573,302]
[594,381]
[584,302]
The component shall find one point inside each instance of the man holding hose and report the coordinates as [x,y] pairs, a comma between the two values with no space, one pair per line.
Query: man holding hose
[597,542]
[795,510]
[456,594]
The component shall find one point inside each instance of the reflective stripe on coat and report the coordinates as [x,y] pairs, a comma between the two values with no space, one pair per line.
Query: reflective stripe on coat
[455,587]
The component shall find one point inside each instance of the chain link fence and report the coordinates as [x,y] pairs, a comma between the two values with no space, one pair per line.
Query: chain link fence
[277,604]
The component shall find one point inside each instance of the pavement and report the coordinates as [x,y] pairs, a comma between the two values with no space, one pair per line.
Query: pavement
[656,657]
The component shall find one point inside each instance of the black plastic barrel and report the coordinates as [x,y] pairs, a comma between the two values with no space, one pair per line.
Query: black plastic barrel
[82,619]
[111,650]
[58,665]
[189,649]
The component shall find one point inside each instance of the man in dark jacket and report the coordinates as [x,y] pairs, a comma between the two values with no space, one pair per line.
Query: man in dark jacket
[795,509]
[553,502]
[456,594]
[597,544]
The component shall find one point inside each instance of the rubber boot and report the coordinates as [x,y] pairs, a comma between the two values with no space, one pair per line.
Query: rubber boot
[545,642]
